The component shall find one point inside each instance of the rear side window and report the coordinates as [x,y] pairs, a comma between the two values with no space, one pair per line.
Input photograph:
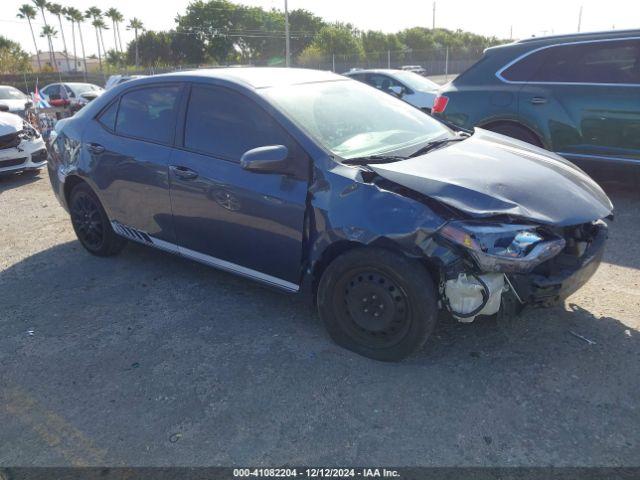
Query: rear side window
[108,117]
[526,68]
[226,124]
[149,113]
[593,62]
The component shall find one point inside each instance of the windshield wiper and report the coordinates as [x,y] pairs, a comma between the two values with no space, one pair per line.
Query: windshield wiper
[436,144]
[371,159]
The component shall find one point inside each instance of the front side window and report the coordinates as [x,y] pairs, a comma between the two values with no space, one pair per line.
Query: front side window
[382,82]
[11,93]
[52,90]
[353,120]
[149,113]
[226,124]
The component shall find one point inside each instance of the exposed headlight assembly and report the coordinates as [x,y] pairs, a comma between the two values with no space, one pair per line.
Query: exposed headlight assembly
[500,247]
[28,131]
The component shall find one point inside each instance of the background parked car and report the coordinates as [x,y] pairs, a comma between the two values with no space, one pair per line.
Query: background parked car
[414,68]
[13,100]
[74,95]
[21,146]
[577,95]
[114,80]
[411,87]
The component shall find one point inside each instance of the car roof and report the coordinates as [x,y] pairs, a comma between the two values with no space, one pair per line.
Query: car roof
[259,77]
[570,37]
[388,71]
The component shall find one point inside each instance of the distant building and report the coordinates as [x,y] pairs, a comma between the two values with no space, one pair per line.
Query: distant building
[75,64]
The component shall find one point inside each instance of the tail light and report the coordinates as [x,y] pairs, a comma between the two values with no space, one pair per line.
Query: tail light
[439,104]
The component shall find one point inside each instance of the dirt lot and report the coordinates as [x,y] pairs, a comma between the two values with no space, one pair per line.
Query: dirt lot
[148,359]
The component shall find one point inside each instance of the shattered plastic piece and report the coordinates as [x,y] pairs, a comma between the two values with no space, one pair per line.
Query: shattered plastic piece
[577,335]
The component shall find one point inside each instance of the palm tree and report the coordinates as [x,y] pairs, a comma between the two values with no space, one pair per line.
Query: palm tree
[116,17]
[102,26]
[57,10]
[49,32]
[78,18]
[69,18]
[27,12]
[135,25]
[96,14]
[41,5]
[97,24]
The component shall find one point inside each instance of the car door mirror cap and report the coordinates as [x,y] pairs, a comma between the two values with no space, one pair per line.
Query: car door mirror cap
[267,159]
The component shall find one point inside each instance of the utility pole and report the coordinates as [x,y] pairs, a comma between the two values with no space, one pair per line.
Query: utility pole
[433,17]
[287,45]
[580,19]
[511,33]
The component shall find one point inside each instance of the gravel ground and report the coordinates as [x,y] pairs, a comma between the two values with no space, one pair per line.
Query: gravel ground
[148,359]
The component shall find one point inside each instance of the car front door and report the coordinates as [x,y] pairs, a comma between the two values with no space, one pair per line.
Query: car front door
[130,144]
[245,222]
[589,94]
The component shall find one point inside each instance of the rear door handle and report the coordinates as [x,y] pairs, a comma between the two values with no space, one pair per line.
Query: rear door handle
[95,148]
[183,172]
[538,100]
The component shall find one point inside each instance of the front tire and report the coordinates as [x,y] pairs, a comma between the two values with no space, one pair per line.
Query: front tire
[91,224]
[377,303]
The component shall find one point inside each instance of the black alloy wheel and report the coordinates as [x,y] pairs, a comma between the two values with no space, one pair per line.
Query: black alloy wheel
[91,223]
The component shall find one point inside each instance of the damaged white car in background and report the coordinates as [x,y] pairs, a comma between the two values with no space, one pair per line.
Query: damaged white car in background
[21,145]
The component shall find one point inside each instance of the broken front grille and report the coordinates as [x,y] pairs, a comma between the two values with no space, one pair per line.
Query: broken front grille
[11,140]
[12,163]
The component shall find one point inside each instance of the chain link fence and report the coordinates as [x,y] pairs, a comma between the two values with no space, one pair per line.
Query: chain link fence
[439,62]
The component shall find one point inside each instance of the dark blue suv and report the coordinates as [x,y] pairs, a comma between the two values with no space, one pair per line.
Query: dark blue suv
[309,181]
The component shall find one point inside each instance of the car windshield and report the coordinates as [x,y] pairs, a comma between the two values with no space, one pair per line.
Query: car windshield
[415,81]
[11,93]
[81,88]
[353,120]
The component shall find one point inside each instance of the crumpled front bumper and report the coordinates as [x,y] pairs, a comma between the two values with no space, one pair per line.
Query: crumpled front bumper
[565,275]
[29,155]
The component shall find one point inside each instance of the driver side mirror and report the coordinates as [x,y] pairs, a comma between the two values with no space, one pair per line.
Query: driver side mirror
[269,159]
[397,90]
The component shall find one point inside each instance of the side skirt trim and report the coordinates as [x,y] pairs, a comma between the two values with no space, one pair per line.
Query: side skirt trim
[144,238]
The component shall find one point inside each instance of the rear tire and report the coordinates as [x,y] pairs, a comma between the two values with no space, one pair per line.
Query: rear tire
[91,223]
[516,131]
[377,303]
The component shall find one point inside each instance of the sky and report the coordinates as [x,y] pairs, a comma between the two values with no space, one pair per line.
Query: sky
[486,17]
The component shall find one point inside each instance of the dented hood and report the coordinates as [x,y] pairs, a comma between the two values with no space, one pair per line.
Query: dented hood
[10,123]
[489,174]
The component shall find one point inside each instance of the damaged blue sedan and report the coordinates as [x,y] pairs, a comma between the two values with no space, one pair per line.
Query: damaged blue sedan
[311,182]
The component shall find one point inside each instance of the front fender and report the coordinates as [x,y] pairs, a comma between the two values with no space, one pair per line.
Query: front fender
[347,208]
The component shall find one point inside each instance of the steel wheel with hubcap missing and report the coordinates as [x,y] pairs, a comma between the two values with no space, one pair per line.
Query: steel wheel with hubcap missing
[378,303]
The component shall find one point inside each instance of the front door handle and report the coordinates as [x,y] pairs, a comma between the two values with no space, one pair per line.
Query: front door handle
[538,100]
[95,148]
[183,172]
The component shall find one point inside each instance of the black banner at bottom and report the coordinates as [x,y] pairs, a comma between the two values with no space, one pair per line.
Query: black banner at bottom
[305,473]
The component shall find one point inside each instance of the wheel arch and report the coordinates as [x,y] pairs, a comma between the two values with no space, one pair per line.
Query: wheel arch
[341,247]
[491,124]
[70,183]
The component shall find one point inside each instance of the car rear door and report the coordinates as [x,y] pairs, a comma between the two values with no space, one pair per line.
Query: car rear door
[130,145]
[589,95]
[245,222]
